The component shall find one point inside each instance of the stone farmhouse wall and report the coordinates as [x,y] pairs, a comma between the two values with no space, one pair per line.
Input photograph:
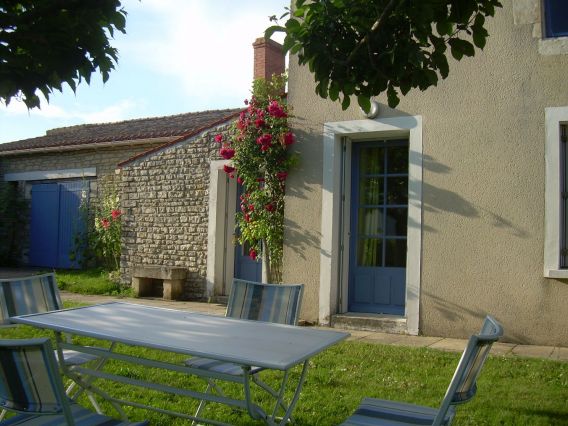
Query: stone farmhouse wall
[105,161]
[165,210]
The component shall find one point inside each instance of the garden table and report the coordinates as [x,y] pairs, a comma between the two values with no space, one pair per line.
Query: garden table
[243,342]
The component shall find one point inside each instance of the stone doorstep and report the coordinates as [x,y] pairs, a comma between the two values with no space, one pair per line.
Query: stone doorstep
[370,322]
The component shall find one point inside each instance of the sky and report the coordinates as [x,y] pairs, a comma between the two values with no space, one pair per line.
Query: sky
[177,56]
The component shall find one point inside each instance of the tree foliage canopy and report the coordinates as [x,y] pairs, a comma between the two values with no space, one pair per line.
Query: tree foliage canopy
[44,43]
[367,47]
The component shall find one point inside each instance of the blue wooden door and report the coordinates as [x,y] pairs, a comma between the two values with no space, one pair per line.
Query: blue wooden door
[70,222]
[55,221]
[44,226]
[379,216]
[245,267]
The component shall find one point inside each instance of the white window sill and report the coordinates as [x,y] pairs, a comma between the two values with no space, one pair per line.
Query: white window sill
[556,273]
[553,46]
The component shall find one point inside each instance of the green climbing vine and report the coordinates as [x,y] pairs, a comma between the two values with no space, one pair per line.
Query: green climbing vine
[258,146]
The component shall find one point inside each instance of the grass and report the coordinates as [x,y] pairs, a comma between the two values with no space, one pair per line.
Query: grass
[512,391]
[91,281]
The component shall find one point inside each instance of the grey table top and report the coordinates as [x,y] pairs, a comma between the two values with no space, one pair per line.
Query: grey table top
[261,344]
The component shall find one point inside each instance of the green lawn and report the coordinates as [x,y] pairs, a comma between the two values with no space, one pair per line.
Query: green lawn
[90,281]
[512,391]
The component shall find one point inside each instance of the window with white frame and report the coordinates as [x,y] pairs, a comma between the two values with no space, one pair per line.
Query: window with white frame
[563,199]
[556,193]
[549,20]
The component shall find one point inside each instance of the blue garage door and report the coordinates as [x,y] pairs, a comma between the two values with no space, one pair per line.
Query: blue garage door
[55,220]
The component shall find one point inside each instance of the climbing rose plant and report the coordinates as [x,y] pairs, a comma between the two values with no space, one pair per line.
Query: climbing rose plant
[101,241]
[258,145]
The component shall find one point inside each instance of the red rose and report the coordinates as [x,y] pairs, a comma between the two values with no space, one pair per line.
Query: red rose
[270,207]
[240,180]
[227,153]
[115,214]
[289,138]
[228,169]
[105,223]
[259,122]
[265,139]
[282,175]
[276,110]
[219,138]
[252,254]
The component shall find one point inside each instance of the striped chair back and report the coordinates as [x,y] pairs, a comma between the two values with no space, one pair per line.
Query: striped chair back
[464,383]
[278,303]
[28,295]
[29,378]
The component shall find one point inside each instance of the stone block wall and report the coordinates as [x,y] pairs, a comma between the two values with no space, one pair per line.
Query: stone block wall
[165,202]
[105,161]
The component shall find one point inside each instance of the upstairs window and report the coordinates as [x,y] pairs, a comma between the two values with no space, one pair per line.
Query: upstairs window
[556,18]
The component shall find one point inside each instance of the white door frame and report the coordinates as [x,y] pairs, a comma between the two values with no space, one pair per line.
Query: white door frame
[334,214]
[220,230]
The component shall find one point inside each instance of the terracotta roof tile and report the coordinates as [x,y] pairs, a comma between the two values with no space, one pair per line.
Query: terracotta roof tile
[144,128]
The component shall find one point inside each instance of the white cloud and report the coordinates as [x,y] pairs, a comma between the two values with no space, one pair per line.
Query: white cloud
[205,46]
[116,112]
[177,56]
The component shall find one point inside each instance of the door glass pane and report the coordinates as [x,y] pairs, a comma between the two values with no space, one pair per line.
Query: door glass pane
[370,221]
[397,159]
[369,252]
[397,190]
[396,221]
[372,160]
[371,190]
[395,255]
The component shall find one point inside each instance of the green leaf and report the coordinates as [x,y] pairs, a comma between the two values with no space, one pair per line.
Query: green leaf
[273,29]
[444,28]
[441,63]
[405,87]
[334,91]
[364,102]
[479,39]
[467,48]
[292,26]
[345,103]
[392,96]
[299,13]
[456,49]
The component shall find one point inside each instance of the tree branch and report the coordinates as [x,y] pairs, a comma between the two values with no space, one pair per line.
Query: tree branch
[375,28]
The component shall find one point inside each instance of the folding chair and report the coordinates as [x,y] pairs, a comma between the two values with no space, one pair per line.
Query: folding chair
[30,384]
[36,294]
[278,303]
[373,412]
[32,295]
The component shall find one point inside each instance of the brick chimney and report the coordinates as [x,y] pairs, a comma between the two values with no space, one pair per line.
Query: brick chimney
[268,58]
